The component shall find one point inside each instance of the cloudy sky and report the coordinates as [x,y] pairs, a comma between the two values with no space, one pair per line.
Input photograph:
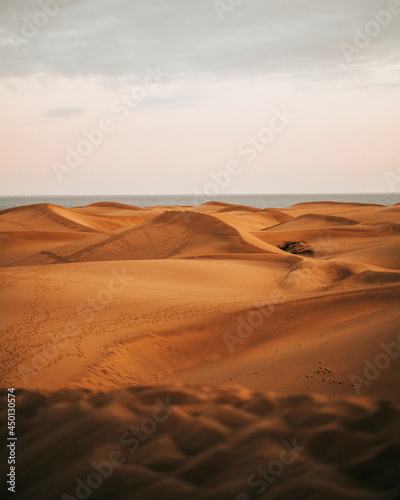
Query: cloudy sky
[196,96]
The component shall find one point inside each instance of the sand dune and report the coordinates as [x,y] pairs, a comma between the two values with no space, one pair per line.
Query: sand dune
[42,217]
[172,296]
[385,255]
[357,211]
[206,444]
[18,245]
[312,221]
[184,234]
[113,298]
[112,206]
[47,217]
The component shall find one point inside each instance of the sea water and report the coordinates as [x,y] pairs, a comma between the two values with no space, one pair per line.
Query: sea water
[253,200]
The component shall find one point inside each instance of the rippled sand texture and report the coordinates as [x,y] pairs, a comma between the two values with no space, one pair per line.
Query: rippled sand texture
[125,330]
[205,444]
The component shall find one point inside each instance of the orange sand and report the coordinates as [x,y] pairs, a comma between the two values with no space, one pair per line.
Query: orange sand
[203,294]
[109,297]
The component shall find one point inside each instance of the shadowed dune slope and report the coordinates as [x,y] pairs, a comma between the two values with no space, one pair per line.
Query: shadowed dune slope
[112,206]
[312,221]
[220,206]
[174,442]
[171,234]
[42,217]
[358,211]
[48,217]
[16,246]
[377,244]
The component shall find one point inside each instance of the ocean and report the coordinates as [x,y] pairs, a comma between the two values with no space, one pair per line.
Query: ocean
[254,200]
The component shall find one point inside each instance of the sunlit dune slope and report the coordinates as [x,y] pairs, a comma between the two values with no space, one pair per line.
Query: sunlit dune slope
[110,296]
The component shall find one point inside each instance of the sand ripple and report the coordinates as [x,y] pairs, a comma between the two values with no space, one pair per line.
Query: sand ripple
[204,443]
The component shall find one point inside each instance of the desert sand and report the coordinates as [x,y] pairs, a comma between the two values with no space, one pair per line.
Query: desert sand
[107,309]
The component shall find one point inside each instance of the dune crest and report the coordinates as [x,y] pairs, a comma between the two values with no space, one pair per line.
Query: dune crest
[206,352]
[205,293]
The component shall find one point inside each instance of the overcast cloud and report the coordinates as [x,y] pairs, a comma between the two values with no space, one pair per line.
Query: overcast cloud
[225,71]
[121,37]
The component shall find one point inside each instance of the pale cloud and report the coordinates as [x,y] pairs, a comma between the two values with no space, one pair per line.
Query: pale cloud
[64,112]
[100,37]
[223,80]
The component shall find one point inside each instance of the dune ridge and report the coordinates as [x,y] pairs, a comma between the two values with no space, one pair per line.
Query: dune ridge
[189,279]
[261,327]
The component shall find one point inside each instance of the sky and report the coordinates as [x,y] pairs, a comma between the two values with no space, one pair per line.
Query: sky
[199,96]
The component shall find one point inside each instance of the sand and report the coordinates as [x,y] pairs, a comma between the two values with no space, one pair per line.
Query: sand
[117,299]
[195,442]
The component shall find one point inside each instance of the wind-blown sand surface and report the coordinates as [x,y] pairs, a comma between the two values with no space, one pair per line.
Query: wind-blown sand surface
[191,301]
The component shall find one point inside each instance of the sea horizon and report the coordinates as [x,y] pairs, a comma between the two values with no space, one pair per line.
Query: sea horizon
[276,200]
